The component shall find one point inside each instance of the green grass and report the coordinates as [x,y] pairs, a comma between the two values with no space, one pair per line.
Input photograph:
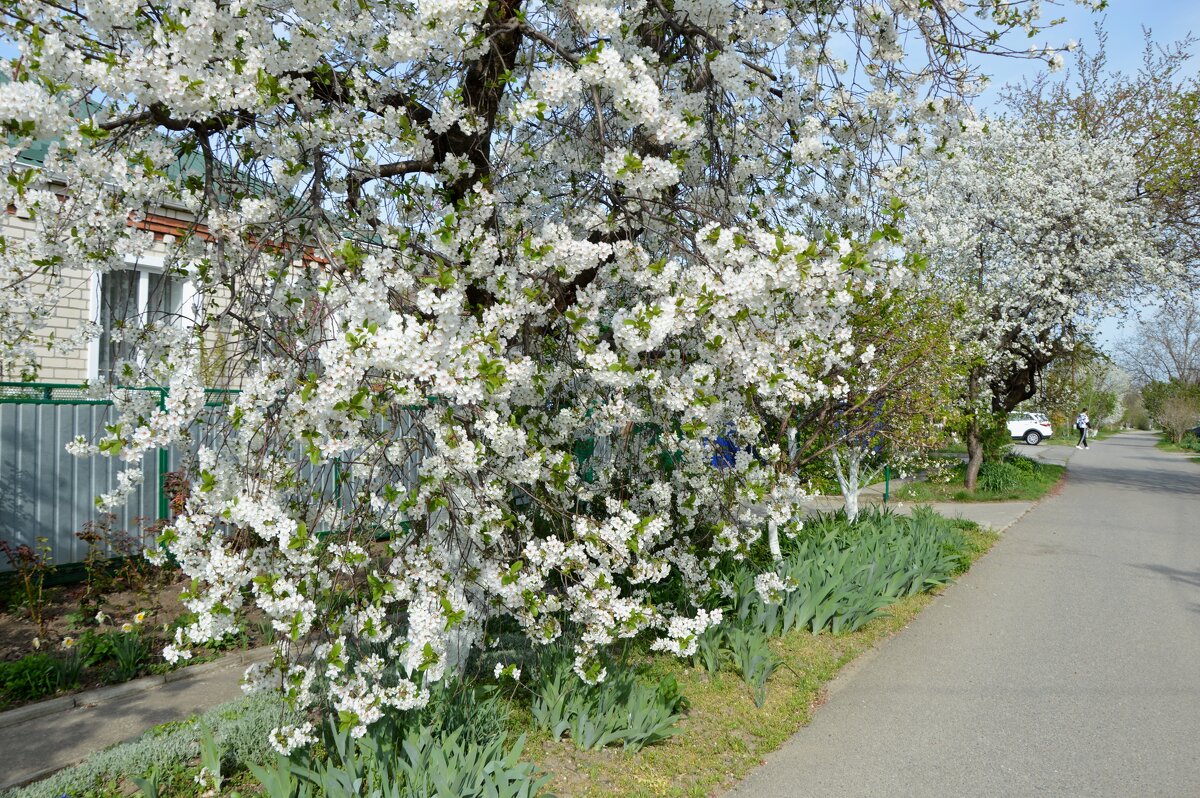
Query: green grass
[1033,487]
[1190,445]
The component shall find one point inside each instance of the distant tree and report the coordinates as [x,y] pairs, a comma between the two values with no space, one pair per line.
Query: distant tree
[1037,237]
[1155,110]
[1166,346]
[1173,405]
[1084,377]
[1178,415]
[1135,414]
[901,396]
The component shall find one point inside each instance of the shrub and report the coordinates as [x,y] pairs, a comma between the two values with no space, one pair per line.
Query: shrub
[32,677]
[32,565]
[1021,463]
[1178,415]
[999,477]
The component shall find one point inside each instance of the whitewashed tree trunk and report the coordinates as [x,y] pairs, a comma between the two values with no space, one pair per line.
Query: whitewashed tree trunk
[773,540]
[846,469]
[852,475]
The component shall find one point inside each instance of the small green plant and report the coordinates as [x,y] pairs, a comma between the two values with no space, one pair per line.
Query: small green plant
[999,477]
[210,760]
[30,678]
[621,709]
[97,575]
[129,652]
[149,785]
[709,648]
[476,710]
[1021,463]
[751,655]
[278,779]
[32,565]
[69,669]
[95,647]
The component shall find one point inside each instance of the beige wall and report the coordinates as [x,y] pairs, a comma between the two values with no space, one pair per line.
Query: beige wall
[71,311]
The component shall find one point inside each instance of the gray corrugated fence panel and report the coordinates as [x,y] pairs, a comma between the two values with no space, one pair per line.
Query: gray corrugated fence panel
[47,492]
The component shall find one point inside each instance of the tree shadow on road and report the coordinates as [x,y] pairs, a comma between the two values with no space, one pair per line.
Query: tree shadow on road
[1177,575]
[1151,480]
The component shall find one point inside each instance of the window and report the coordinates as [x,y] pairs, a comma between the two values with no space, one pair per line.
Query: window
[130,299]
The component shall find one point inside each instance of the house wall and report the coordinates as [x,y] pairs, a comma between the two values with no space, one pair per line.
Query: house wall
[78,301]
[72,311]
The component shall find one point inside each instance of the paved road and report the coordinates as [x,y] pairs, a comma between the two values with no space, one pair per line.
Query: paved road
[1067,663]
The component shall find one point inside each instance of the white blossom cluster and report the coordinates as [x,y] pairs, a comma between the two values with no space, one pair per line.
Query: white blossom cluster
[490,279]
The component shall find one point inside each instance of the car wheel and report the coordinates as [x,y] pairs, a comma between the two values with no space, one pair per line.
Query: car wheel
[1033,437]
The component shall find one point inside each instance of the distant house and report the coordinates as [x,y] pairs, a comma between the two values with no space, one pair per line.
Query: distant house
[45,492]
[140,294]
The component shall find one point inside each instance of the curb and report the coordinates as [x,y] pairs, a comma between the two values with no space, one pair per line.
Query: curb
[100,695]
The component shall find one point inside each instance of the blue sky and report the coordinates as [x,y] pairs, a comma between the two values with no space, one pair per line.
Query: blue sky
[1167,20]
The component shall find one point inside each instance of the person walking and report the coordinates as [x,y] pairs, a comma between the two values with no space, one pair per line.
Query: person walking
[1081,424]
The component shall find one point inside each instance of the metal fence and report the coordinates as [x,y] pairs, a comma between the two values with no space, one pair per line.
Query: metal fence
[47,492]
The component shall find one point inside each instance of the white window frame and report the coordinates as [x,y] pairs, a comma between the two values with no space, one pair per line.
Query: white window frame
[144,266]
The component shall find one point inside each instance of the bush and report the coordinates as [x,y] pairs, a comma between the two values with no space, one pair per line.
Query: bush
[1178,415]
[1021,463]
[1000,477]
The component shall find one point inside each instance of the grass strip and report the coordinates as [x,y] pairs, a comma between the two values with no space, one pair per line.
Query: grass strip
[1033,486]
[724,735]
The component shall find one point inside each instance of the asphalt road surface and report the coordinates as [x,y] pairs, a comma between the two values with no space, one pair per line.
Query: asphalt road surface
[1067,663]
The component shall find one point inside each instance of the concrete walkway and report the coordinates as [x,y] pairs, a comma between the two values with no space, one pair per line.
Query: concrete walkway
[39,739]
[996,516]
[1066,663]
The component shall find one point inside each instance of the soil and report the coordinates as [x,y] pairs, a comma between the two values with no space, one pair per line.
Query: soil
[64,616]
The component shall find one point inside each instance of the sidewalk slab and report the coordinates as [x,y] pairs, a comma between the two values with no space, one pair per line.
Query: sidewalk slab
[997,516]
[40,739]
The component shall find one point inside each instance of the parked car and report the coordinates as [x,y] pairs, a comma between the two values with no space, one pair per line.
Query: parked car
[1029,427]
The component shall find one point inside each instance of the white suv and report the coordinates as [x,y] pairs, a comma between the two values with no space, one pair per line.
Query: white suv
[1029,427]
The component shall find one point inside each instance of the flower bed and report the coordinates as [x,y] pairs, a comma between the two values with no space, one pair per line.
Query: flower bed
[106,629]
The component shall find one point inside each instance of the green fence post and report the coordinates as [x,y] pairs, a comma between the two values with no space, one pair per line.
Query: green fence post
[887,482]
[164,463]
